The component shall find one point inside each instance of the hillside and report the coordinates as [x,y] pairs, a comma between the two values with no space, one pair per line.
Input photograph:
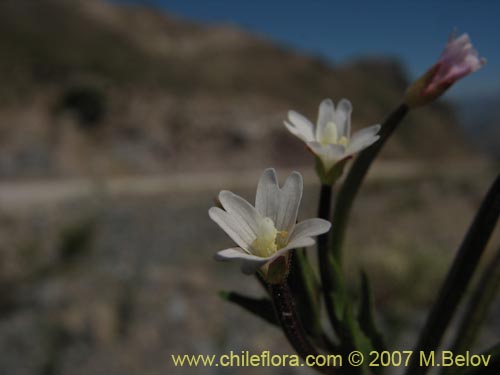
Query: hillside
[91,88]
[480,118]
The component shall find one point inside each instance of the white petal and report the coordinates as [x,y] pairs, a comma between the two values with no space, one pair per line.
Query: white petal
[241,236]
[289,201]
[343,118]
[310,228]
[326,150]
[250,263]
[326,114]
[357,147]
[363,138]
[266,198]
[249,267]
[245,215]
[297,243]
[235,253]
[329,154]
[302,125]
[296,132]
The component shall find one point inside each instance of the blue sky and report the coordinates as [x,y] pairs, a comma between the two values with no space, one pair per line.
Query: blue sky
[413,31]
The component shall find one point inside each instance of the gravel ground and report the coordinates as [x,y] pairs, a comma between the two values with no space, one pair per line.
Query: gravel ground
[143,286]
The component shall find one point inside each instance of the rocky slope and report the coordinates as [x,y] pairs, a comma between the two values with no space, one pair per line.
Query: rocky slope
[480,118]
[92,88]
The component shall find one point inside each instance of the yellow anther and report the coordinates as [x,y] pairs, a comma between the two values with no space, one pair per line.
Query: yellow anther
[343,141]
[281,238]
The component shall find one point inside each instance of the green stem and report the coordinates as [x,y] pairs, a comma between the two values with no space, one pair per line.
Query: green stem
[355,178]
[478,306]
[324,259]
[458,277]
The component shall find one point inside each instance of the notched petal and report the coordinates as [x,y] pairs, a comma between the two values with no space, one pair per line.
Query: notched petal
[242,211]
[326,113]
[266,197]
[241,235]
[343,118]
[302,124]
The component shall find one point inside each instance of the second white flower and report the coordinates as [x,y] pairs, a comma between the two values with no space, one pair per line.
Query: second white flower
[330,140]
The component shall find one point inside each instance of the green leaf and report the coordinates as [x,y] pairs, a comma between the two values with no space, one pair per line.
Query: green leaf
[459,276]
[358,340]
[75,241]
[338,294]
[307,293]
[477,309]
[354,179]
[262,307]
[366,317]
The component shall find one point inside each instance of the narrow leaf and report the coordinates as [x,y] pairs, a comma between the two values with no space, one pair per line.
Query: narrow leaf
[459,276]
[478,306]
[262,307]
[307,293]
[366,316]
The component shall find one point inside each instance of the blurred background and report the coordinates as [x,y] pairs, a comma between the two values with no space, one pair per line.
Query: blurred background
[121,120]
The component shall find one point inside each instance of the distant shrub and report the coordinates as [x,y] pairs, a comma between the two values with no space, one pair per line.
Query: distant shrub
[87,103]
[75,241]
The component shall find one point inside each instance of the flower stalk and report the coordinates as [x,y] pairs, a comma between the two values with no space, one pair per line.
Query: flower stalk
[325,261]
[291,324]
[289,320]
[355,177]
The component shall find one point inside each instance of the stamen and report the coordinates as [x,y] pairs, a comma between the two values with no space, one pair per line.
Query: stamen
[265,244]
[343,141]
[330,134]
[281,238]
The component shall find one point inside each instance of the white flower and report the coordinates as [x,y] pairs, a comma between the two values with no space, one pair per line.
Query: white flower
[269,230]
[331,140]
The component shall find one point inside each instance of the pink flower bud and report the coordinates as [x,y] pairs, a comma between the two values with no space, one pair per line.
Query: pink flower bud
[458,59]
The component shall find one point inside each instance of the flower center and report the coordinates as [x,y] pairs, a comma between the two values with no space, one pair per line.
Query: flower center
[330,135]
[269,239]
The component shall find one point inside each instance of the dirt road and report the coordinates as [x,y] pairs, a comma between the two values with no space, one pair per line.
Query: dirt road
[19,195]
